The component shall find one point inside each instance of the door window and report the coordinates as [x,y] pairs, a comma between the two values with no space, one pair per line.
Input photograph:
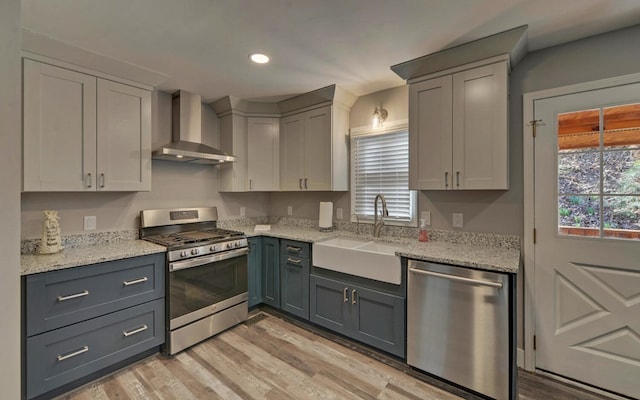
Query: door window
[599,172]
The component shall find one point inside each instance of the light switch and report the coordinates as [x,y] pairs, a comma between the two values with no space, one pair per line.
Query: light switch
[90,223]
[457,220]
[243,211]
[426,216]
[339,213]
[290,210]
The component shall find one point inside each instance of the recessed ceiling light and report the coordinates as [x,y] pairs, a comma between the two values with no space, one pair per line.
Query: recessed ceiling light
[259,58]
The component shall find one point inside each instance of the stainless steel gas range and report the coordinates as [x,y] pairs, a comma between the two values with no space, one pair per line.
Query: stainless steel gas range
[206,289]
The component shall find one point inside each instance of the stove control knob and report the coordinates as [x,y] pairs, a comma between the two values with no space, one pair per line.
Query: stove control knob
[229,245]
[195,252]
[184,253]
[213,248]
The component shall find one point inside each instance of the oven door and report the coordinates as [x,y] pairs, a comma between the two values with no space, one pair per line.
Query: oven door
[202,286]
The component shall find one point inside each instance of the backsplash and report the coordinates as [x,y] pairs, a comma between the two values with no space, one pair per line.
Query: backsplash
[30,246]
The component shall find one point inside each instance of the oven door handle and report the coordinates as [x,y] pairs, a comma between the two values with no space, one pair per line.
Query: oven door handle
[198,261]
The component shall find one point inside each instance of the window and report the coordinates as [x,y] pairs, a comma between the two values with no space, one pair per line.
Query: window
[380,165]
[599,172]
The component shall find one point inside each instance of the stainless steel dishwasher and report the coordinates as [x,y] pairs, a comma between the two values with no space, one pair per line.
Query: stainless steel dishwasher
[458,326]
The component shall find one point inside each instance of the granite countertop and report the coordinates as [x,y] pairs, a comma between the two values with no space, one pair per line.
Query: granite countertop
[85,255]
[474,255]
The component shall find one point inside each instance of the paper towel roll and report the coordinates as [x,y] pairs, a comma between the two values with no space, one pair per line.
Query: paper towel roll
[326,215]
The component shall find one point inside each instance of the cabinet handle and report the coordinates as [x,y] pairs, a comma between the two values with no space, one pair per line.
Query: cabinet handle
[293,260]
[457,178]
[90,180]
[133,332]
[345,295]
[73,296]
[250,184]
[75,353]
[353,296]
[446,179]
[293,248]
[102,180]
[305,183]
[300,183]
[135,281]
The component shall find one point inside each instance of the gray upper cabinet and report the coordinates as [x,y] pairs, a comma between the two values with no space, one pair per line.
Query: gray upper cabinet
[83,133]
[263,154]
[458,135]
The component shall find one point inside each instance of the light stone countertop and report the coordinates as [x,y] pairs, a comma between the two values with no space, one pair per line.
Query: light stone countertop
[86,255]
[492,258]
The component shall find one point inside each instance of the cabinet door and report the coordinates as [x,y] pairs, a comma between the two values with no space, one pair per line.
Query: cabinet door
[328,303]
[317,149]
[291,152]
[263,154]
[254,266]
[430,114]
[480,139]
[124,137]
[232,177]
[378,319]
[59,125]
[271,271]
[294,280]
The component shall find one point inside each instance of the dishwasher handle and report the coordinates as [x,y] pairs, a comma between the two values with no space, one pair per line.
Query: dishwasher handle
[456,278]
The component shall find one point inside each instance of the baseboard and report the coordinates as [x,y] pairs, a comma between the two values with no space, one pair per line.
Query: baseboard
[520,357]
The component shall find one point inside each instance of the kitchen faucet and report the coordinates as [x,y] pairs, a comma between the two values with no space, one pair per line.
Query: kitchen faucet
[378,224]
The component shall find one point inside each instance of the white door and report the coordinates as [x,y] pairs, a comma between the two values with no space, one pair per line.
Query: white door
[317,149]
[587,255]
[263,149]
[291,152]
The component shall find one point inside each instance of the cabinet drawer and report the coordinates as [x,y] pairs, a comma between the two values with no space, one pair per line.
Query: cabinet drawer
[61,298]
[295,249]
[61,356]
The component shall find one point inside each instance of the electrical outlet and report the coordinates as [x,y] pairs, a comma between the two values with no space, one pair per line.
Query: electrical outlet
[243,211]
[426,216]
[457,220]
[339,213]
[90,223]
[290,210]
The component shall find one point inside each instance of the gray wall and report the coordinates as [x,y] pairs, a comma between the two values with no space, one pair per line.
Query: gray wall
[10,180]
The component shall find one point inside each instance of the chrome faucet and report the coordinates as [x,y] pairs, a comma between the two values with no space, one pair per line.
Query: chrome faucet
[378,224]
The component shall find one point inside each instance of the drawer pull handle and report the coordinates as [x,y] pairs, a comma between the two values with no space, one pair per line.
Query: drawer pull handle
[135,281]
[353,296]
[133,332]
[345,295]
[293,248]
[75,353]
[73,296]
[293,260]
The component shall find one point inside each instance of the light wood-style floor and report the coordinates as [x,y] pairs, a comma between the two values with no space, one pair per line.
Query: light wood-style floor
[270,358]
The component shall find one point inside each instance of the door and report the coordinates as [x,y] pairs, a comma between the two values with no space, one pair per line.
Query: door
[254,267]
[291,152]
[59,129]
[587,254]
[430,113]
[294,285]
[263,149]
[271,271]
[317,149]
[329,302]
[124,137]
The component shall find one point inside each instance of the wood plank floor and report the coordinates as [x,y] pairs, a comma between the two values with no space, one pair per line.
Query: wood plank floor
[273,359]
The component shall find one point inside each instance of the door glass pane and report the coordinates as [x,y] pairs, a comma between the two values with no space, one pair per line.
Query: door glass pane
[621,217]
[579,173]
[579,212]
[621,172]
[579,131]
[622,126]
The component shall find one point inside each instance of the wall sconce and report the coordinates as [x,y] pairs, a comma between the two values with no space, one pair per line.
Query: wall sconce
[379,115]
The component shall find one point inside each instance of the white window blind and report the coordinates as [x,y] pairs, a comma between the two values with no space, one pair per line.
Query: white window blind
[380,165]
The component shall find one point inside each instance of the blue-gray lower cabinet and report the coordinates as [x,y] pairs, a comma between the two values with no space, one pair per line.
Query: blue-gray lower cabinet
[271,271]
[294,277]
[367,315]
[80,321]
[254,266]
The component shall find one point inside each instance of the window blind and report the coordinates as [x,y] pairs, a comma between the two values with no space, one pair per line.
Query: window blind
[381,165]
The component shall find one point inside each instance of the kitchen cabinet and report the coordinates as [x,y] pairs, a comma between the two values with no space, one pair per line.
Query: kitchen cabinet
[271,271]
[84,133]
[83,320]
[294,277]
[458,135]
[263,154]
[254,266]
[349,306]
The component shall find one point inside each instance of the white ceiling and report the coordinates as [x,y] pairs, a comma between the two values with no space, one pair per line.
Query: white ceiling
[203,45]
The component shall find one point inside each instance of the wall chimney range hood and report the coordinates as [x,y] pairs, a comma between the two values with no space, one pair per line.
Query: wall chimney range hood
[187,134]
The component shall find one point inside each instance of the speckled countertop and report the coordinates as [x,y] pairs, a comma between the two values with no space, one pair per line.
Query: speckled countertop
[85,255]
[468,252]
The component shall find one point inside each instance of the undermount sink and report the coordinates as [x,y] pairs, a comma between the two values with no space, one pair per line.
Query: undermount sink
[364,258]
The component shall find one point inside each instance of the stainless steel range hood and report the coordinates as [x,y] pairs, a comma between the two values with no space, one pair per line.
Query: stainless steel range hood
[187,135]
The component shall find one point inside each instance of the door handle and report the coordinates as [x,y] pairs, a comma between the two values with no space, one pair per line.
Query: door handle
[462,279]
[250,184]
[135,281]
[446,179]
[353,296]
[345,295]
[89,183]
[293,260]
[102,180]
[458,179]
[134,331]
[84,349]
[300,183]
[305,183]
[73,296]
